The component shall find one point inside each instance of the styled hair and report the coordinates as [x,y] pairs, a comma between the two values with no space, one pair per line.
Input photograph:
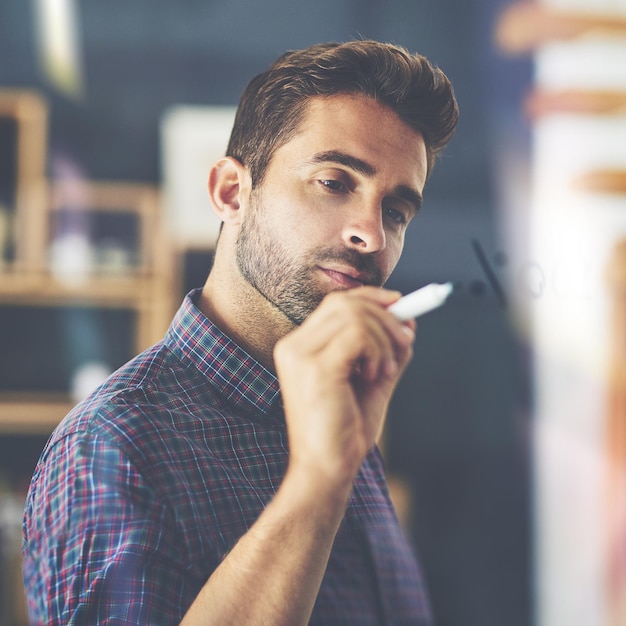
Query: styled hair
[272,105]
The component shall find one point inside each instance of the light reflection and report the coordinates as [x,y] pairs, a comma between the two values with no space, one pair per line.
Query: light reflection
[58,44]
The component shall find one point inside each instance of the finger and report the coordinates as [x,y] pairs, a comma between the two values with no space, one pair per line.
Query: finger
[356,327]
[346,336]
[383,298]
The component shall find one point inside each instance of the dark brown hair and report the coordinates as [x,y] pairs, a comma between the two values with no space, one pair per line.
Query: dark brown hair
[273,103]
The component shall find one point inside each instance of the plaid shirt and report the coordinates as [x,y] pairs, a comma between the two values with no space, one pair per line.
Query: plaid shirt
[148,483]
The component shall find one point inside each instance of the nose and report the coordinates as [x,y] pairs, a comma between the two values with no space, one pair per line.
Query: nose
[364,231]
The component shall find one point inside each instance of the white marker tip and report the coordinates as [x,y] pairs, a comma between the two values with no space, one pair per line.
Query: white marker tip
[421,301]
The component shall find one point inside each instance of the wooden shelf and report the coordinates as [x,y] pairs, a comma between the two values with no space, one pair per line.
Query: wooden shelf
[543,101]
[525,26]
[603,181]
[32,413]
[42,289]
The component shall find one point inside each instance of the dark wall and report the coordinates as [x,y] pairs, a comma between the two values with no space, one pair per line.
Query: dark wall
[458,426]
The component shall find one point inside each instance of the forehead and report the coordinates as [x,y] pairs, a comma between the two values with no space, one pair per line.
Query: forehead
[358,125]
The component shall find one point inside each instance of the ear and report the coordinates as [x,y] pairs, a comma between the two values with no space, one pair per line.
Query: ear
[229,188]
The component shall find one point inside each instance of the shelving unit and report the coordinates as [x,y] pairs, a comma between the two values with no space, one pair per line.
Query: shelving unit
[42,273]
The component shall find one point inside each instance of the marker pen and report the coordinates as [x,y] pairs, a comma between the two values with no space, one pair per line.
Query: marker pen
[421,301]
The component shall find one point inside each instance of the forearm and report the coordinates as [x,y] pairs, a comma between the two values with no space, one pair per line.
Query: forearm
[273,574]
[337,372]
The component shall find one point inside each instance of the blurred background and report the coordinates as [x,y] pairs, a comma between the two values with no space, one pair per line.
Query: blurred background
[111,114]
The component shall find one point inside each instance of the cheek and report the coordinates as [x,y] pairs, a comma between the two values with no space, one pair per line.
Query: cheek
[393,254]
[309,226]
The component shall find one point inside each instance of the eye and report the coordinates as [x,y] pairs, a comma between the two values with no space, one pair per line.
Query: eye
[396,216]
[335,186]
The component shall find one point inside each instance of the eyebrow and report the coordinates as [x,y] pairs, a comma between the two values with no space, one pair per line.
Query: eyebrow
[342,158]
[404,192]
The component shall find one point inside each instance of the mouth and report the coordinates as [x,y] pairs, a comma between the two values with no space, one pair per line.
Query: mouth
[345,278]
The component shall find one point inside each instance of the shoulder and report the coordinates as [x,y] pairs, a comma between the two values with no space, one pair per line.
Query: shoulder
[138,406]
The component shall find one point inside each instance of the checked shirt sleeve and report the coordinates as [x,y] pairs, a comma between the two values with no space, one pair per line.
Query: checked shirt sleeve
[99,548]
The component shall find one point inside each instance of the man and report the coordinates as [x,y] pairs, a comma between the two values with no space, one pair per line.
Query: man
[229,475]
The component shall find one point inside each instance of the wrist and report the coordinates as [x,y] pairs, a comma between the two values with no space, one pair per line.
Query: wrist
[324,488]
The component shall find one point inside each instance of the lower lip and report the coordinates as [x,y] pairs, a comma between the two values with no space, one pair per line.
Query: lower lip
[345,281]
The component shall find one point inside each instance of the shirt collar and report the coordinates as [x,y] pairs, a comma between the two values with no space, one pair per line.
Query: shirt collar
[236,375]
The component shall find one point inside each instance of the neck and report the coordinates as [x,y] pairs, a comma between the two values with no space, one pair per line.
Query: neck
[242,313]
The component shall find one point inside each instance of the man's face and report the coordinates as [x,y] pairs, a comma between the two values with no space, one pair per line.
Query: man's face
[334,205]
